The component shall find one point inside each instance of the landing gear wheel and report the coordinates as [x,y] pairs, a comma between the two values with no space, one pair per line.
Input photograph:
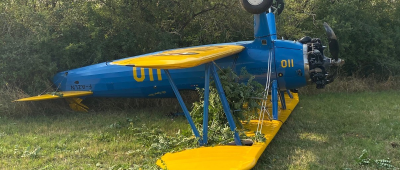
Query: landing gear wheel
[256,6]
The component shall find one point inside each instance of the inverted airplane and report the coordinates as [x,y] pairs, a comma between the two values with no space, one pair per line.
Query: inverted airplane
[285,65]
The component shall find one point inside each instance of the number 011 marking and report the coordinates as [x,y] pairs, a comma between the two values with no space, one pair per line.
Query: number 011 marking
[287,63]
[141,76]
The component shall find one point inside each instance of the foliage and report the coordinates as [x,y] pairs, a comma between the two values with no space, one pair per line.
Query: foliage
[368,32]
[364,160]
[41,38]
[240,96]
[31,154]
[158,142]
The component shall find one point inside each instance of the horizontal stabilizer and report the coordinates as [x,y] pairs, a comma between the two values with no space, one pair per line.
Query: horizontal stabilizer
[56,95]
[181,58]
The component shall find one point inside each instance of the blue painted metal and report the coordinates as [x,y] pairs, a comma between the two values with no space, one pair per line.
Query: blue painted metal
[275,99]
[261,30]
[118,81]
[288,44]
[179,97]
[225,104]
[282,97]
[290,94]
[106,80]
[206,103]
[291,68]
[272,25]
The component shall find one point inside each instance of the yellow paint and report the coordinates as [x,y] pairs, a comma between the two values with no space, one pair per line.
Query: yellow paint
[76,105]
[159,75]
[182,58]
[142,75]
[157,93]
[229,157]
[283,64]
[288,63]
[151,74]
[65,94]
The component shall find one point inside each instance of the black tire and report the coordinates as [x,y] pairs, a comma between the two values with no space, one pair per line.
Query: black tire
[256,9]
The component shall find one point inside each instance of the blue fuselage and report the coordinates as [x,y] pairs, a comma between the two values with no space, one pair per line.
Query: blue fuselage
[289,67]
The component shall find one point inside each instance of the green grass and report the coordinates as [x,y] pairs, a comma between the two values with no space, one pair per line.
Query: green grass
[330,131]
[80,140]
[325,131]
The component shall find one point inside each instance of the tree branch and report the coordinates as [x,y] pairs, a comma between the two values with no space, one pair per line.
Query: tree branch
[199,13]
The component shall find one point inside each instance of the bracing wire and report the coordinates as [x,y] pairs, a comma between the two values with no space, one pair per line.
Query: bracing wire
[264,102]
[49,87]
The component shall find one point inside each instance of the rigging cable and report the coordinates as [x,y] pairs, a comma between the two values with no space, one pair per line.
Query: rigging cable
[265,97]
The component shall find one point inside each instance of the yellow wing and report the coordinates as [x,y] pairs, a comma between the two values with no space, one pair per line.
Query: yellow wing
[182,58]
[56,95]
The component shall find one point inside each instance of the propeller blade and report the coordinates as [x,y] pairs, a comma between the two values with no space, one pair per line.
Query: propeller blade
[333,42]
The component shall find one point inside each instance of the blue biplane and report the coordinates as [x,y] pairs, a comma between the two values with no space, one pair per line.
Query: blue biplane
[282,64]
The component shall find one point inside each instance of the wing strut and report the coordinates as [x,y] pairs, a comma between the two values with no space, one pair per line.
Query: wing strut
[209,67]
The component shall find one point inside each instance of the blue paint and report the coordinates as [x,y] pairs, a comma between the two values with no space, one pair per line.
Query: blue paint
[287,44]
[292,68]
[272,25]
[282,97]
[225,104]
[290,94]
[185,111]
[274,92]
[261,30]
[117,81]
[206,103]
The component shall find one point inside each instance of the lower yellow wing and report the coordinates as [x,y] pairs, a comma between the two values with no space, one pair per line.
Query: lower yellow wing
[57,95]
[181,58]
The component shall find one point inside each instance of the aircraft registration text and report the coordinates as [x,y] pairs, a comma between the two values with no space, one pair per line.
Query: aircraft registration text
[81,87]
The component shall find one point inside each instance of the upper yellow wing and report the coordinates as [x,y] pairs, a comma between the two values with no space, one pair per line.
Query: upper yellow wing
[57,95]
[182,58]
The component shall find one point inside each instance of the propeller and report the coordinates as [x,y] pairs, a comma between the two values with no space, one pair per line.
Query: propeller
[323,70]
[333,42]
[334,50]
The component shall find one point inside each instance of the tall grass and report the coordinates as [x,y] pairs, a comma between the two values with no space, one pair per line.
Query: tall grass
[10,108]
[355,84]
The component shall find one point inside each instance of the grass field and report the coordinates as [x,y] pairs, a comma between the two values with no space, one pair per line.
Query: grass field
[325,131]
